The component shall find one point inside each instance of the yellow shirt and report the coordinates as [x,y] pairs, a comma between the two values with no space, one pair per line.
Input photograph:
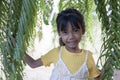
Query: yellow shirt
[73,61]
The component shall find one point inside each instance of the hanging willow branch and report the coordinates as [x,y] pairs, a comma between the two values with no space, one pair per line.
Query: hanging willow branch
[109,14]
[17,22]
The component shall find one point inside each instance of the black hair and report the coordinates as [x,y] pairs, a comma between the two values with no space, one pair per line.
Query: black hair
[72,16]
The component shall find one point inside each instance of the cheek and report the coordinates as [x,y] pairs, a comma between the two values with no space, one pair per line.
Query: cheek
[64,39]
[79,37]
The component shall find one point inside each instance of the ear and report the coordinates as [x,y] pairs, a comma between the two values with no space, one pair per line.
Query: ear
[83,29]
[60,41]
[59,34]
[60,37]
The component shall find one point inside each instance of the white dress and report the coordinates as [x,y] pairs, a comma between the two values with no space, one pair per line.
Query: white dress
[61,72]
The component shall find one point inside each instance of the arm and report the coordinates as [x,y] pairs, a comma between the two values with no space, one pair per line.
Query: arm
[99,77]
[33,63]
[94,72]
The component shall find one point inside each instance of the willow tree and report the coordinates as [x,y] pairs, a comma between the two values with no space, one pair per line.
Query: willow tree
[18,21]
[109,15]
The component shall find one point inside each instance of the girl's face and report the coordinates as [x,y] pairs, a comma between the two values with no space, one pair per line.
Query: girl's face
[71,36]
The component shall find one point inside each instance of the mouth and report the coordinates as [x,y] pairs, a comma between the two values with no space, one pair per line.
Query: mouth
[71,43]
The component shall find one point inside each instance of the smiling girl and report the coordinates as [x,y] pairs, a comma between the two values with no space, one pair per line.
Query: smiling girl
[71,62]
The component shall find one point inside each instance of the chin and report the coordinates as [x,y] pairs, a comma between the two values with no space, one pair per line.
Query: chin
[71,46]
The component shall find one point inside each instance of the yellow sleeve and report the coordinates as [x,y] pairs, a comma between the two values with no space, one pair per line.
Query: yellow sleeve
[93,71]
[50,57]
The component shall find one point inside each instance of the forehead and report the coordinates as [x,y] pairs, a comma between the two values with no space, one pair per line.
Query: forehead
[71,26]
[67,25]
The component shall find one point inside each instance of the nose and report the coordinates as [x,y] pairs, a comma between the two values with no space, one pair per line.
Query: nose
[70,36]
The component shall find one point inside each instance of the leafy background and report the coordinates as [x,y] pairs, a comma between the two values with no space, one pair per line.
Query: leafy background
[18,20]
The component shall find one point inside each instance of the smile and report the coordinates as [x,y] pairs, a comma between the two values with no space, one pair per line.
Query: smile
[71,42]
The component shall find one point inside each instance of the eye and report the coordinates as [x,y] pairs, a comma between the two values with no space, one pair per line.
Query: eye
[64,32]
[76,30]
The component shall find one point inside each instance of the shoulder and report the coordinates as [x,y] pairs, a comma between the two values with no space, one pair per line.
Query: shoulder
[50,57]
[89,55]
[52,52]
[88,52]
[55,49]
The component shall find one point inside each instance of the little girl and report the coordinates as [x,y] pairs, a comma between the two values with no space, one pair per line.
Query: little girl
[71,62]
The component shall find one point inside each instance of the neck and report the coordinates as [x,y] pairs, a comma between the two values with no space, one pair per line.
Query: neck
[74,50]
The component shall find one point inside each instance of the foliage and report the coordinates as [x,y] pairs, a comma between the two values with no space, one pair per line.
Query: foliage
[109,15]
[17,22]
